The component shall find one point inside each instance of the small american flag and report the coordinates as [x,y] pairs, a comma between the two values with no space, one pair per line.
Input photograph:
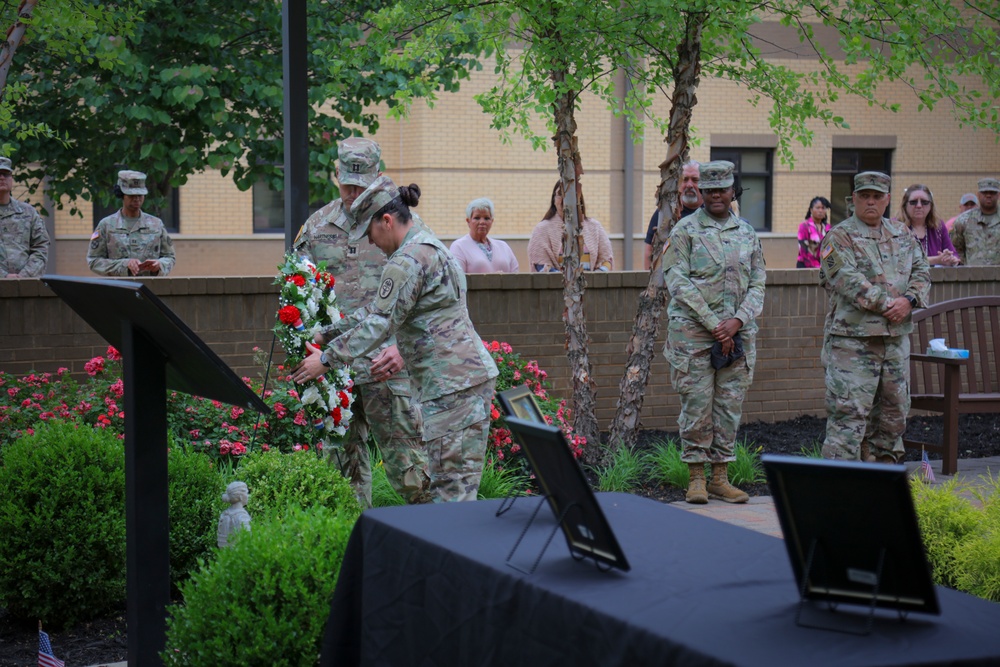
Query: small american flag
[45,656]
[925,467]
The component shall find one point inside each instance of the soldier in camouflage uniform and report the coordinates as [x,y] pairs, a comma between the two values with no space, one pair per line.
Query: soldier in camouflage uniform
[24,241]
[976,233]
[382,384]
[714,270]
[875,273]
[422,299]
[131,242]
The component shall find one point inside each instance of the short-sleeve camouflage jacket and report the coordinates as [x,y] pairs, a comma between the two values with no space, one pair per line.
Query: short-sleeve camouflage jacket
[863,268]
[113,244]
[422,298]
[976,237]
[24,241]
[714,271]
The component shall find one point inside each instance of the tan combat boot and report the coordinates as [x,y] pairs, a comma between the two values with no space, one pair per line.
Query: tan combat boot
[696,494]
[720,487]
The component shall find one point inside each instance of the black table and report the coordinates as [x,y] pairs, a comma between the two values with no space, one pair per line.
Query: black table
[428,585]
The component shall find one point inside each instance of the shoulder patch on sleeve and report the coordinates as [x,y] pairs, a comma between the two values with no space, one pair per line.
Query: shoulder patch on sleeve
[393,278]
[831,259]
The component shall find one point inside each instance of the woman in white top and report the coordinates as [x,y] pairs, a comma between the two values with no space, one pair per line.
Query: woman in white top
[476,252]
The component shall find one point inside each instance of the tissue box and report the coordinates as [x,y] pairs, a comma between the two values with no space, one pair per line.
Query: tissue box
[949,354]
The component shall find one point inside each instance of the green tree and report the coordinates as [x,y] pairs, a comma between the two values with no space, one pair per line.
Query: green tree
[547,54]
[62,28]
[199,86]
[943,52]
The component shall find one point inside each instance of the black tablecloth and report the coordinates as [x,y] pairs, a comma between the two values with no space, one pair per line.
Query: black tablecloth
[428,585]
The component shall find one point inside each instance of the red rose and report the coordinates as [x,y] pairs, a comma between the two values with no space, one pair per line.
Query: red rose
[289,315]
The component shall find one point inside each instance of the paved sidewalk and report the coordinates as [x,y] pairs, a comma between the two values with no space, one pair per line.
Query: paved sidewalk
[759,515]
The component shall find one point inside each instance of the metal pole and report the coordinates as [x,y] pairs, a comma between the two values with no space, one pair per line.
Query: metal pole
[293,38]
[147,538]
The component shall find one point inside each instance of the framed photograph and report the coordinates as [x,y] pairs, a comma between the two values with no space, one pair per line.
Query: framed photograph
[520,402]
[851,532]
[583,523]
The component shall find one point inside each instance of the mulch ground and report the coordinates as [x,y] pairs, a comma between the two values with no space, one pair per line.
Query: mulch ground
[103,641]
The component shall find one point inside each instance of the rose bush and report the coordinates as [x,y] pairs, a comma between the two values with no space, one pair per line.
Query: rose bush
[502,451]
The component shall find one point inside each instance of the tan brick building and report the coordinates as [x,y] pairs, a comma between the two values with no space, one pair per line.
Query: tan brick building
[453,154]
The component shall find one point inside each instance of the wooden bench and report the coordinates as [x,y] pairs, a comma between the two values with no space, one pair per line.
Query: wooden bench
[955,387]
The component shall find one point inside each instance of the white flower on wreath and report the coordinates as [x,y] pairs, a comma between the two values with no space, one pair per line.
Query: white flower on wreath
[333,312]
[311,395]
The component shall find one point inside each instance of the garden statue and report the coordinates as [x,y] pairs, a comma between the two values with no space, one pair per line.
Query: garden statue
[236,517]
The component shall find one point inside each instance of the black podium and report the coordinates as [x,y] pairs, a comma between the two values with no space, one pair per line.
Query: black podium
[159,352]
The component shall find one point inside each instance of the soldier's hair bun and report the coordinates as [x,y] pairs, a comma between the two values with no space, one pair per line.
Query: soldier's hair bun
[410,194]
[118,192]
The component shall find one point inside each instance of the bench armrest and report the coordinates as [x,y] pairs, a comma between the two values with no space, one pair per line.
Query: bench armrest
[941,360]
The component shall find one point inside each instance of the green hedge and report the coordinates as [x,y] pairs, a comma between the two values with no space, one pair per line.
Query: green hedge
[62,522]
[266,598]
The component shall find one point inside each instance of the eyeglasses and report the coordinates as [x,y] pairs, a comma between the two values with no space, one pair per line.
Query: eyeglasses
[919,202]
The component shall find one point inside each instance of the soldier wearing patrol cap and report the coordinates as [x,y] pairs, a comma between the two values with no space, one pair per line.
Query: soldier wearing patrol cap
[976,233]
[24,241]
[131,242]
[381,380]
[875,273]
[713,267]
[421,298]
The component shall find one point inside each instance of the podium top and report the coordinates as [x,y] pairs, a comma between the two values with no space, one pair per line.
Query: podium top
[191,366]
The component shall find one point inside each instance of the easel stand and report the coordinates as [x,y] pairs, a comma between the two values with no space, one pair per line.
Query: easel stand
[559,519]
[159,352]
[840,623]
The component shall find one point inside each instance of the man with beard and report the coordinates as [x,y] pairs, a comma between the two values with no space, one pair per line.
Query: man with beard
[691,200]
[875,273]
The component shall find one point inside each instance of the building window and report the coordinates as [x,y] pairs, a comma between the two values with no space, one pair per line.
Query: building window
[269,208]
[754,175]
[169,214]
[847,162]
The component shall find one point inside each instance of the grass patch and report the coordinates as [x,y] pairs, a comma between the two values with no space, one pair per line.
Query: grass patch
[623,473]
[747,468]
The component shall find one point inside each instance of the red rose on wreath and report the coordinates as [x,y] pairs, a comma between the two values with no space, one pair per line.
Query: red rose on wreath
[289,315]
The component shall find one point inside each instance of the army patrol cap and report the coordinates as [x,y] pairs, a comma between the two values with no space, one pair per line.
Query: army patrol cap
[716,174]
[132,182]
[989,185]
[5,164]
[872,180]
[381,192]
[359,161]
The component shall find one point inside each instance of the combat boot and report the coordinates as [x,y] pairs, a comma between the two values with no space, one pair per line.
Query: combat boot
[720,487]
[696,494]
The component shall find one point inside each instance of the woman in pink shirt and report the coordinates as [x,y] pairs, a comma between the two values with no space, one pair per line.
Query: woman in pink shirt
[476,252]
[811,233]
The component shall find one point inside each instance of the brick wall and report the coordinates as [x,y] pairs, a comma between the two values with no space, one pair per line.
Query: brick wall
[38,332]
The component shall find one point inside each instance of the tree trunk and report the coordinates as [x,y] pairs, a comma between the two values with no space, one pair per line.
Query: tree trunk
[574,282]
[13,40]
[687,69]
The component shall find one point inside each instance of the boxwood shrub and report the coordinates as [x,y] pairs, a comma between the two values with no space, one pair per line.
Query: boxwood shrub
[62,522]
[265,599]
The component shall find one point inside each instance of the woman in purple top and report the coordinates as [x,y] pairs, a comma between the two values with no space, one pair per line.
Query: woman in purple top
[917,212]
[811,233]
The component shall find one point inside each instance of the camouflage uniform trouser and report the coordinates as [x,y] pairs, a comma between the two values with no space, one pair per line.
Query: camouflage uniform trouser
[867,395]
[382,409]
[455,428]
[711,405]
